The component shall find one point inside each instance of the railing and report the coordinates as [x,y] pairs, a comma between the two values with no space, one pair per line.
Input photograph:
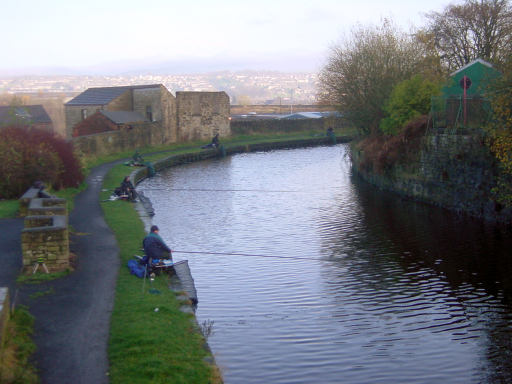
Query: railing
[458,114]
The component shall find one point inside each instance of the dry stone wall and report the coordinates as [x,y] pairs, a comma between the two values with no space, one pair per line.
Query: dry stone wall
[45,237]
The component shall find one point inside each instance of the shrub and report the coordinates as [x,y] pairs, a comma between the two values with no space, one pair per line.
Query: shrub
[408,100]
[499,134]
[27,155]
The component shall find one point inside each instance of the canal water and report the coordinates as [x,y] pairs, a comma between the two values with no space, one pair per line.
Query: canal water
[332,281]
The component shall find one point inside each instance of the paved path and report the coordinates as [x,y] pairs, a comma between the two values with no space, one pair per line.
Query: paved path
[73,318]
[10,251]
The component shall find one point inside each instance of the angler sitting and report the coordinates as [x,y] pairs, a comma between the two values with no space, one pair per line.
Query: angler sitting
[214,144]
[126,190]
[155,247]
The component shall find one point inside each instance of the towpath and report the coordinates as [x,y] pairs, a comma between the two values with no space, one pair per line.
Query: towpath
[72,314]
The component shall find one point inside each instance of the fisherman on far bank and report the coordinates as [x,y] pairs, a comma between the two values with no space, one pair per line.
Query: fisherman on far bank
[330,134]
[214,144]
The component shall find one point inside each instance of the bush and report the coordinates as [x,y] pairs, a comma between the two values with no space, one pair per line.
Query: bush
[408,100]
[27,155]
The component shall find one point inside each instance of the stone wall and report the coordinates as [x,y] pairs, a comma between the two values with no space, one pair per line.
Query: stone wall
[148,97]
[47,207]
[127,138]
[45,238]
[123,102]
[163,108]
[169,119]
[25,200]
[201,115]
[248,127]
[452,171]
[74,115]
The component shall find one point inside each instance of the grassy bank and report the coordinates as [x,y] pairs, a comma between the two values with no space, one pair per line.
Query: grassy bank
[148,346]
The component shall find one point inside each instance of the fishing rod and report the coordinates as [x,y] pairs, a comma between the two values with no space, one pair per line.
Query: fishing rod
[221,190]
[249,255]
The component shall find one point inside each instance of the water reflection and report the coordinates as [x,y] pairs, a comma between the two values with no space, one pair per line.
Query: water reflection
[394,291]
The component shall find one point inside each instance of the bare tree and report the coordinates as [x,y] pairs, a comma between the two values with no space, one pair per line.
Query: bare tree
[362,70]
[474,29]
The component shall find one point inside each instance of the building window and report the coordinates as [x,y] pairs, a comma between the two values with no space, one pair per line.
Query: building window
[84,114]
[149,113]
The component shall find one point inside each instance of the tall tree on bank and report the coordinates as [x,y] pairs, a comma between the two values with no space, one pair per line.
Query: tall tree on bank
[362,70]
[474,29]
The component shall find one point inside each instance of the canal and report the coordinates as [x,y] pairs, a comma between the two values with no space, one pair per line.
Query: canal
[310,276]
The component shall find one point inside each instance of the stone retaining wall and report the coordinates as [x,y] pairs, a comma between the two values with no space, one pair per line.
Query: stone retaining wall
[453,171]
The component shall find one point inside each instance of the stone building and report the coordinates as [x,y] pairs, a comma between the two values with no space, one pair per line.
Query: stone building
[152,103]
[201,115]
[166,118]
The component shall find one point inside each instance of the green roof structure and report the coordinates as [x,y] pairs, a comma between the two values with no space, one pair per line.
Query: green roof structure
[478,74]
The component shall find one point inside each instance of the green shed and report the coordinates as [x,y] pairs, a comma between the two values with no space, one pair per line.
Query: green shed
[478,73]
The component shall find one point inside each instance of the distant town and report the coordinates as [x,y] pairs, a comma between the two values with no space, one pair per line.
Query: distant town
[248,87]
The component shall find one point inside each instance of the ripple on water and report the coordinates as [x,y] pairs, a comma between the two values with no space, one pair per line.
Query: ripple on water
[386,296]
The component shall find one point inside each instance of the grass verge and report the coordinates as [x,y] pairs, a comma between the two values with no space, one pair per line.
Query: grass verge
[18,346]
[148,346]
[9,208]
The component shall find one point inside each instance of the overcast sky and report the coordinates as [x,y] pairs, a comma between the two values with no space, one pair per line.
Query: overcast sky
[118,35]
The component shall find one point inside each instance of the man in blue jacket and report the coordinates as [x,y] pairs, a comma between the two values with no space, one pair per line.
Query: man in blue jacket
[154,246]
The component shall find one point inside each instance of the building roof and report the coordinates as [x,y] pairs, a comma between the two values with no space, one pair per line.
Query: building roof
[29,114]
[104,95]
[483,62]
[124,117]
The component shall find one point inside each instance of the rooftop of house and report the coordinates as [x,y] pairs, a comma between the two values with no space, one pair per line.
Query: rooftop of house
[34,114]
[104,95]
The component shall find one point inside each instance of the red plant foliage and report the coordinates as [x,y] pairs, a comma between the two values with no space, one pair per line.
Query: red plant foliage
[96,123]
[382,152]
[27,155]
